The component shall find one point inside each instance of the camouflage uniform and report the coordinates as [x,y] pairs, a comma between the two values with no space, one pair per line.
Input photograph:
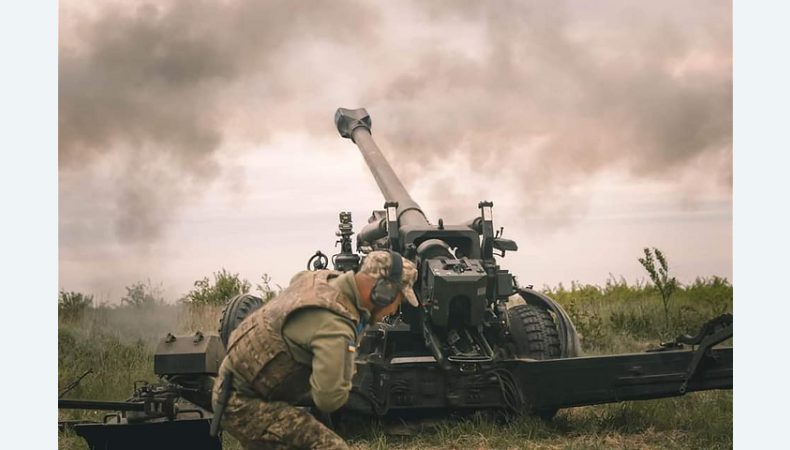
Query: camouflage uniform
[269,375]
[259,424]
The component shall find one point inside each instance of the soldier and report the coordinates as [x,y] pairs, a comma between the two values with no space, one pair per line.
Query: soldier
[304,341]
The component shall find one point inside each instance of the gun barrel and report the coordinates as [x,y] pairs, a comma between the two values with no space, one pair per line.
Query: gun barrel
[355,124]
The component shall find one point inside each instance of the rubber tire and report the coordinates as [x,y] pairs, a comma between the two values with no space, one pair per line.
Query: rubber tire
[535,336]
[534,332]
[236,309]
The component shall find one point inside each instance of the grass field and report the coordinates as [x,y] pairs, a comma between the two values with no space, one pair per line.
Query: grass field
[117,344]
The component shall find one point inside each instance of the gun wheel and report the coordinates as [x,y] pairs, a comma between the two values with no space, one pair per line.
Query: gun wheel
[534,333]
[535,336]
[235,310]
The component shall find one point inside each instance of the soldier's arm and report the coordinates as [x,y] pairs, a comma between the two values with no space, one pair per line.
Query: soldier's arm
[322,339]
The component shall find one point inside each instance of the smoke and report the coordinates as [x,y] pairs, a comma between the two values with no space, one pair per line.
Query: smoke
[561,92]
[155,85]
[541,94]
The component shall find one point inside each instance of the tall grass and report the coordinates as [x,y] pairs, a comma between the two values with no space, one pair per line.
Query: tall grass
[117,344]
[620,317]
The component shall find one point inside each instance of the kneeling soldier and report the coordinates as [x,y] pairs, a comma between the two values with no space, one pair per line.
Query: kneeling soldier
[304,340]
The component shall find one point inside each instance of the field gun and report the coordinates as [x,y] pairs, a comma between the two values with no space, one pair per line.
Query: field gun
[478,341]
[467,347]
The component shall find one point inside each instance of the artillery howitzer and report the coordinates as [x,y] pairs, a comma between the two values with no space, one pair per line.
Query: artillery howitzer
[464,349]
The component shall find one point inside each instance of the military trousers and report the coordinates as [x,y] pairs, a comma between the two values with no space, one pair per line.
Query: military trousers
[259,424]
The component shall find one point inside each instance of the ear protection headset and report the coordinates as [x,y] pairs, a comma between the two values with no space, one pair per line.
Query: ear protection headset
[386,289]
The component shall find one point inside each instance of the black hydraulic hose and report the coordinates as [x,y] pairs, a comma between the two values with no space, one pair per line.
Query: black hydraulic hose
[511,393]
[379,408]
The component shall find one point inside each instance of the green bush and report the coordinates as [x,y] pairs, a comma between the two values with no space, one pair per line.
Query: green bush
[141,295]
[265,288]
[224,286]
[714,293]
[622,317]
[72,305]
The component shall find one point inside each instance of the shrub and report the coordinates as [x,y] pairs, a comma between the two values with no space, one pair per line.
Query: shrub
[714,292]
[665,284]
[225,286]
[72,305]
[591,328]
[265,288]
[140,295]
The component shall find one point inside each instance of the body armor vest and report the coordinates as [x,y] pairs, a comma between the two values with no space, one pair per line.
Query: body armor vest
[257,352]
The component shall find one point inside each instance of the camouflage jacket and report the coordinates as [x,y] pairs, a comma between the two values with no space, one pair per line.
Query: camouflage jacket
[258,355]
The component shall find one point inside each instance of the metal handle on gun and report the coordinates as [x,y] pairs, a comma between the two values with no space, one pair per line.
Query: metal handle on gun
[224,395]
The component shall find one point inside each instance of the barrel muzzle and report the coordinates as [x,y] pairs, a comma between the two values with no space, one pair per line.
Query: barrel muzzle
[349,119]
[355,125]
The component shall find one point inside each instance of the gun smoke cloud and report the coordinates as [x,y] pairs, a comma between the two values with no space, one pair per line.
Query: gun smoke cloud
[152,83]
[545,94]
[561,91]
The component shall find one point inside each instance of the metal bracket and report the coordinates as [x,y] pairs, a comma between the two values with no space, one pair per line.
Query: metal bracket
[713,332]
[393,227]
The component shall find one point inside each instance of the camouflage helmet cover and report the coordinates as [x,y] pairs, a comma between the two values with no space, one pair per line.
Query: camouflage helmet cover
[377,264]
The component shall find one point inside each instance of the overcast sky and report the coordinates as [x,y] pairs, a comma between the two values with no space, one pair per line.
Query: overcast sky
[199,135]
